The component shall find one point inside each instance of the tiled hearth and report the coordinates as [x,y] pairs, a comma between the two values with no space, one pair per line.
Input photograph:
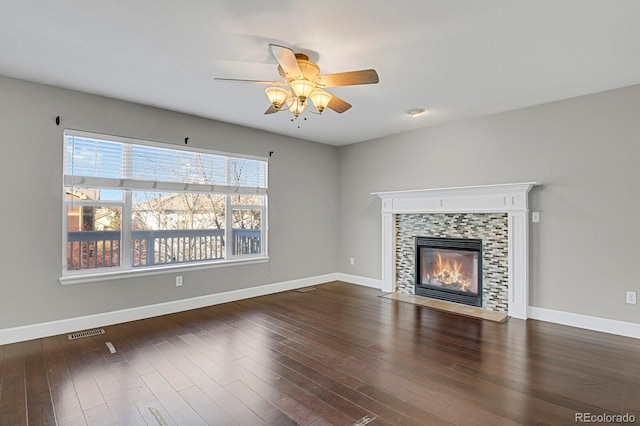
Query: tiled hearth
[454,308]
[471,212]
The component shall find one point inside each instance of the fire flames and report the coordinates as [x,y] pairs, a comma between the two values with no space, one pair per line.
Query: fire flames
[448,272]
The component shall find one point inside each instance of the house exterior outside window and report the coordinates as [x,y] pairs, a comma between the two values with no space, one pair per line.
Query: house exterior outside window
[133,205]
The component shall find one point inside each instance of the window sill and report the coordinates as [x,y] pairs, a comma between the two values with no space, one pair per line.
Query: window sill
[156,270]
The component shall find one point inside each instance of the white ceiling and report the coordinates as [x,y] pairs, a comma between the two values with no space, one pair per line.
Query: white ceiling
[458,59]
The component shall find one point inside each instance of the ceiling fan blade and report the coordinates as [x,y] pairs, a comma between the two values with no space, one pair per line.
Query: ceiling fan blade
[338,105]
[349,78]
[287,60]
[240,80]
[271,110]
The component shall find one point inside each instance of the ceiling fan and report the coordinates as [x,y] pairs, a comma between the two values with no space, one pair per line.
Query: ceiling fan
[303,82]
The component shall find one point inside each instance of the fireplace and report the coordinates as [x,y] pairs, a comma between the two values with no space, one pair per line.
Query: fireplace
[510,199]
[449,269]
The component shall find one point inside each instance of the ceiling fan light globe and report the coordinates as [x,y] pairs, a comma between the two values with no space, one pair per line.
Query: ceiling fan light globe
[302,88]
[320,99]
[277,96]
[297,106]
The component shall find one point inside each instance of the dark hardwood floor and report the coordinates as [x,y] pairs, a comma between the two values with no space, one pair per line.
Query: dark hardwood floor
[338,355]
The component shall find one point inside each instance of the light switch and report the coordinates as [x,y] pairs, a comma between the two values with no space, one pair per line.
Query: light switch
[535,217]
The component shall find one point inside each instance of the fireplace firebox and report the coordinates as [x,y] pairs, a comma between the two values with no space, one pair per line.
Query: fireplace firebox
[449,269]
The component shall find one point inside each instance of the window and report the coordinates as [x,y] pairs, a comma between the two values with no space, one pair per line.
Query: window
[132,204]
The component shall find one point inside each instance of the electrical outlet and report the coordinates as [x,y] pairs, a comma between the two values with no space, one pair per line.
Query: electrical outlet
[178,281]
[535,217]
[631,297]
[352,261]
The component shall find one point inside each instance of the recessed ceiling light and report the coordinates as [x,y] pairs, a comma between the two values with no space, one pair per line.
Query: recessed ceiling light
[414,112]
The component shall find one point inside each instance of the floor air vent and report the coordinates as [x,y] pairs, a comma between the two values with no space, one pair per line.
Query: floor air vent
[86,333]
[304,290]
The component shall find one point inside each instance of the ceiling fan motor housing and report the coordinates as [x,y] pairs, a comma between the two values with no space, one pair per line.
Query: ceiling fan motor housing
[310,70]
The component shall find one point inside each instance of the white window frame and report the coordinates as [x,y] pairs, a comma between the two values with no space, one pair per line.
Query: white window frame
[229,208]
[126,269]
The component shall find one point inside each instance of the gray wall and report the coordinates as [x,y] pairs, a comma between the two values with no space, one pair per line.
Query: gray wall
[300,174]
[585,151]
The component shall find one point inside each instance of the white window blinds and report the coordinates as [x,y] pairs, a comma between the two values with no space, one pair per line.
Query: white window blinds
[99,161]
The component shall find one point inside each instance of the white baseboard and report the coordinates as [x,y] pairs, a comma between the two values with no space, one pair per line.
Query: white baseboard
[35,331]
[53,328]
[604,325]
[364,281]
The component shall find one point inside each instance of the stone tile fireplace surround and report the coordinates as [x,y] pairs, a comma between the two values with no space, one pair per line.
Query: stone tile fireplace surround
[491,228]
[491,212]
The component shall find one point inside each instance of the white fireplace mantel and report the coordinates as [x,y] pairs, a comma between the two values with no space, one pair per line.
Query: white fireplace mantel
[509,198]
